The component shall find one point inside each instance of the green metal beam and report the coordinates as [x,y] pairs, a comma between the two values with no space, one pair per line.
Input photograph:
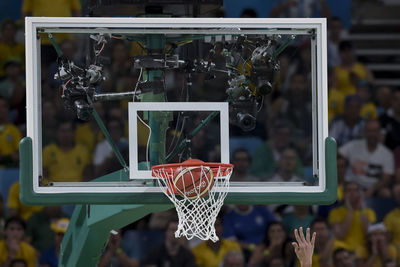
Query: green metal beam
[90,227]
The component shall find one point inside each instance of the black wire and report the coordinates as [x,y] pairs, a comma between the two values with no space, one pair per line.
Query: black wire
[177,121]
[181,134]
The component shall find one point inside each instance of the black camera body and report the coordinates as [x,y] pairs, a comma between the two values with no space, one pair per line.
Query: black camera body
[243,112]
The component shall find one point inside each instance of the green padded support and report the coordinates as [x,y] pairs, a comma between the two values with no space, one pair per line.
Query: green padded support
[89,230]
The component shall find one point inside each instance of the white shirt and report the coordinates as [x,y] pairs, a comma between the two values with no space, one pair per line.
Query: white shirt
[103,151]
[367,167]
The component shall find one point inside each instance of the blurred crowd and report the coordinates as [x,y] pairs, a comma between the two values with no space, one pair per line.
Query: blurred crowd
[360,229]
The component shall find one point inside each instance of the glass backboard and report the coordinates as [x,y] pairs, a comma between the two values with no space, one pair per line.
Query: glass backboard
[252,92]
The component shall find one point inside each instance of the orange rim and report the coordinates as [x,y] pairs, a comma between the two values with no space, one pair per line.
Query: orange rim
[169,169]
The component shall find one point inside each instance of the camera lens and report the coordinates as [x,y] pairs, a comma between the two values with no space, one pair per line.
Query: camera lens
[246,121]
[83,110]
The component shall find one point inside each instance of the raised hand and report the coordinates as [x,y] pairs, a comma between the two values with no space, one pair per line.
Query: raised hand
[304,247]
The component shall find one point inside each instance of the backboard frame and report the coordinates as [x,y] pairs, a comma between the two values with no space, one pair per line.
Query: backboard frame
[30,148]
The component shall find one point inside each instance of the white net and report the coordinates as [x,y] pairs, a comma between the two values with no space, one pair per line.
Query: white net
[198,194]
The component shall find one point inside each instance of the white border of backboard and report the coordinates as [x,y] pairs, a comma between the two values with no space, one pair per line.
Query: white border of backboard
[134,107]
[154,25]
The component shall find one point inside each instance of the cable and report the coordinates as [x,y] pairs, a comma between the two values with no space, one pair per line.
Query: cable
[65,86]
[148,139]
[101,49]
[148,142]
[177,120]
[137,83]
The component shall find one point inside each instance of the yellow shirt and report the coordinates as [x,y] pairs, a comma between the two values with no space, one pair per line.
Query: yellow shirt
[355,235]
[85,136]
[15,52]
[205,257]
[26,252]
[14,203]
[65,166]
[9,139]
[363,253]
[344,83]
[335,103]
[54,8]
[392,222]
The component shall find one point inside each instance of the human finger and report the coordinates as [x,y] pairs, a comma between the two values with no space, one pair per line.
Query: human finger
[313,238]
[303,239]
[296,235]
[296,246]
[308,235]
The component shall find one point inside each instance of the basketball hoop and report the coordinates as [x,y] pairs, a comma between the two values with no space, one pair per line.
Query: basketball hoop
[198,190]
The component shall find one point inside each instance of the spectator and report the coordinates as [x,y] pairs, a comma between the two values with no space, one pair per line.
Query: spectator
[120,66]
[104,150]
[49,126]
[377,250]
[392,219]
[51,255]
[12,88]
[171,252]
[16,208]
[383,99]
[234,259]
[295,106]
[159,220]
[249,13]
[276,244]
[301,216]
[38,229]
[324,244]
[368,109]
[211,254]
[286,168]
[351,220]
[13,247]
[372,164]
[300,9]
[65,161]
[301,66]
[114,255]
[349,72]
[350,125]
[9,138]
[58,8]
[241,159]
[390,122]
[9,48]
[335,28]
[304,246]
[343,258]
[266,156]
[342,165]
[336,100]
[247,224]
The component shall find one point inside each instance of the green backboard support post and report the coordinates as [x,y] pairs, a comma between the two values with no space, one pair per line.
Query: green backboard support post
[90,227]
